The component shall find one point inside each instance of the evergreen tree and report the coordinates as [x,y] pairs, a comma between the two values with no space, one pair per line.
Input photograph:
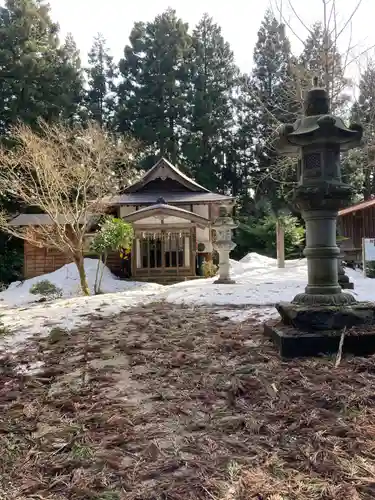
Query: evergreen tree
[321,58]
[213,79]
[245,140]
[101,74]
[359,164]
[154,84]
[37,79]
[70,76]
[271,101]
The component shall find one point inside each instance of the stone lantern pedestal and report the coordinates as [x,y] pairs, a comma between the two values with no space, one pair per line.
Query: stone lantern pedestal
[223,227]
[313,322]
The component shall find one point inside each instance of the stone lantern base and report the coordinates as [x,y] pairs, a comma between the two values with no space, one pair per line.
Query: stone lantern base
[307,330]
[346,284]
[224,281]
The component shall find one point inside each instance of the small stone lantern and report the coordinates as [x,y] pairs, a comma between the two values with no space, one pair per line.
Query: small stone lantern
[308,321]
[223,227]
[344,280]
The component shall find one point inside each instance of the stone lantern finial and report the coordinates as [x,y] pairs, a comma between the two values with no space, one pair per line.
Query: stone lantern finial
[317,101]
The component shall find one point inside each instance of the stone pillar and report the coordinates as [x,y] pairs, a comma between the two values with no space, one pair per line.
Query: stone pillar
[223,227]
[186,251]
[224,267]
[138,262]
[321,252]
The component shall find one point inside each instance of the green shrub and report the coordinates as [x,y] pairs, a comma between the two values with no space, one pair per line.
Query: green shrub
[11,259]
[4,330]
[114,234]
[46,289]
[56,334]
[209,269]
[108,495]
[259,235]
[370,269]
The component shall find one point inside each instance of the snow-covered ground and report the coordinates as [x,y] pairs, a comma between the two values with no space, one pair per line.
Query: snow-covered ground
[259,282]
[259,285]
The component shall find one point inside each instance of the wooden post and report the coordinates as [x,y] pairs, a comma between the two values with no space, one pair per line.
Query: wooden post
[148,255]
[363,257]
[280,247]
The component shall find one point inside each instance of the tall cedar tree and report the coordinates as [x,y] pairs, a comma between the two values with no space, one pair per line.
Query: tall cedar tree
[213,80]
[154,85]
[70,72]
[271,86]
[359,164]
[38,77]
[321,58]
[101,73]
[245,139]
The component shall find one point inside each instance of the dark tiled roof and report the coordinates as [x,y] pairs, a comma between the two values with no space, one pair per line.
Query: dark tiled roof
[151,198]
[192,184]
[45,220]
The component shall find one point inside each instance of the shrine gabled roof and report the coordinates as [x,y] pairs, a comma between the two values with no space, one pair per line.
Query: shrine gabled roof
[165,210]
[164,169]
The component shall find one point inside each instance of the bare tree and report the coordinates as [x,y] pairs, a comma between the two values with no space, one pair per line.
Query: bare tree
[67,174]
[331,65]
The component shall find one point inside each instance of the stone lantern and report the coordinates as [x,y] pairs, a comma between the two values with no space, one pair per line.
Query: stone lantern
[223,227]
[311,322]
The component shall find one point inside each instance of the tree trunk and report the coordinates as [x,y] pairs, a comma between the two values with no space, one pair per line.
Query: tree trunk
[96,287]
[79,262]
[102,271]
[280,244]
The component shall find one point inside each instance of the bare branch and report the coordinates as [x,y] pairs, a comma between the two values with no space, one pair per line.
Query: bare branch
[66,174]
[349,20]
[298,17]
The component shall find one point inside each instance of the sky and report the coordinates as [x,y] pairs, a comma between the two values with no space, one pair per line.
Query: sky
[239,20]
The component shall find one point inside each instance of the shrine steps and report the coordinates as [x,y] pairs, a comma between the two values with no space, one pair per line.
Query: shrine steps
[165,280]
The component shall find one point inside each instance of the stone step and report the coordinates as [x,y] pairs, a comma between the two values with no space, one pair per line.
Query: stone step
[165,280]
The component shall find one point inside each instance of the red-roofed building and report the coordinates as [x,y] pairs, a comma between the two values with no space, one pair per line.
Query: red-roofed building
[357,222]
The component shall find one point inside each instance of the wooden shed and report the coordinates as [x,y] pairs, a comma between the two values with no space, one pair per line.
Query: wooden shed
[355,223]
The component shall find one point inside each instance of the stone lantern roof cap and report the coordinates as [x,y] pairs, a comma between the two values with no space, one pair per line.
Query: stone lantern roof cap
[318,126]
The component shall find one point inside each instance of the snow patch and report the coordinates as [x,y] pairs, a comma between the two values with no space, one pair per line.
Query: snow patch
[30,369]
[67,279]
[240,315]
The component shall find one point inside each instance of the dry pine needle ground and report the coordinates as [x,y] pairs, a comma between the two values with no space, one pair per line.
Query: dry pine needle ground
[169,403]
